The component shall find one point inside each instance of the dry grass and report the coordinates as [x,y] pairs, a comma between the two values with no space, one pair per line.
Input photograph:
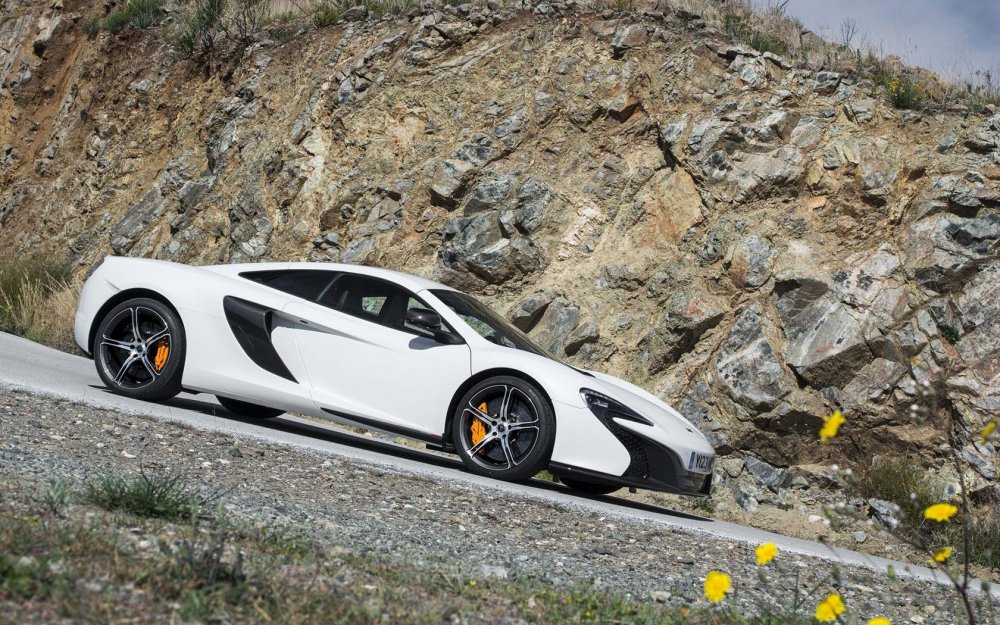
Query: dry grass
[38,301]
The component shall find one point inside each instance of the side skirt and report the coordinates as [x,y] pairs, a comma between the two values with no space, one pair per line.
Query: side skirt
[433,439]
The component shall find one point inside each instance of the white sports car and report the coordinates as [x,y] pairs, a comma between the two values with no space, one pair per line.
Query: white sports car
[387,351]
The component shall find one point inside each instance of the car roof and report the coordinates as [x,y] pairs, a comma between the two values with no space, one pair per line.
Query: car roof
[407,280]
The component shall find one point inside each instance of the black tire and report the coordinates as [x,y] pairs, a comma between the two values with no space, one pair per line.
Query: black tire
[514,437]
[139,350]
[246,409]
[588,488]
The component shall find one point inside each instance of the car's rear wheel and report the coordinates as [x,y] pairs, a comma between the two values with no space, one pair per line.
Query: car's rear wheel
[504,428]
[246,409]
[589,488]
[139,350]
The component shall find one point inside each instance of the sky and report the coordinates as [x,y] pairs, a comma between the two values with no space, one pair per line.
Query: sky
[951,37]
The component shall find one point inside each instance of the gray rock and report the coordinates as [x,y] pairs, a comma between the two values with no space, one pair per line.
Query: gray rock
[747,365]
[769,476]
[885,512]
[133,224]
[527,314]
[778,126]
[489,194]
[356,14]
[945,250]
[628,37]
[745,497]
[827,82]
[192,191]
[511,130]
[553,330]
[695,408]
[448,184]
[825,342]
[986,137]
[477,245]
[859,537]
[686,318]
[751,264]
[587,332]
[861,111]
[751,70]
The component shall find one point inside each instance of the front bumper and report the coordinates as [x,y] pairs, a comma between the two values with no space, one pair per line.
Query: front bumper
[653,467]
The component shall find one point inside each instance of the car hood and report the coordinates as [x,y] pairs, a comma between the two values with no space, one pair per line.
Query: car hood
[643,402]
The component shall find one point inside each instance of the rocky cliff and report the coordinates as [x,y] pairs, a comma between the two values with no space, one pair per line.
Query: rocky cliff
[756,241]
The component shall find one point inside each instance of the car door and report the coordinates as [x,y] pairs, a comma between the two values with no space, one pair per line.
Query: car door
[366,365]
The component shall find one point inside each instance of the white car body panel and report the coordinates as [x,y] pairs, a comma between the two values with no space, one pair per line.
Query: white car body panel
[350,369]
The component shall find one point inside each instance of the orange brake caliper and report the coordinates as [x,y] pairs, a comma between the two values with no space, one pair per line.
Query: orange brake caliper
[160,359]
[477,429]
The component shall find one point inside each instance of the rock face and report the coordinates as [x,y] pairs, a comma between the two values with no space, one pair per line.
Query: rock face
[757,243]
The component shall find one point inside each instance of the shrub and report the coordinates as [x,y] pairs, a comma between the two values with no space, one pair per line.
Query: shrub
[138,14]
[199,28]
[904,482]
[327,14]
[157,496]
[37,300]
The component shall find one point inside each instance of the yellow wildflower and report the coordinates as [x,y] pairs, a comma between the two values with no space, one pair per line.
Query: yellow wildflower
[942,555]
[717,584]
[766,553]
[831,425]
[988,430]
[940,512]
[879,620]
[830,608]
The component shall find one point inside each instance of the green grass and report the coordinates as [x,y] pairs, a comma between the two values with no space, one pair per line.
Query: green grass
[154,496]
[79,567]
[37,300]
[138,14]
[740,28]
[327,14]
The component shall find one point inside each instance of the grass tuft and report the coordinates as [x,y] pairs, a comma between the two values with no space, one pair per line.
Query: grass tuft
[38,300]
[138,14]
[154,496]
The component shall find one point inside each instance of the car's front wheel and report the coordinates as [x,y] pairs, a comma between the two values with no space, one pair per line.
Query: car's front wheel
[504,428]
[246,409]
[139,350]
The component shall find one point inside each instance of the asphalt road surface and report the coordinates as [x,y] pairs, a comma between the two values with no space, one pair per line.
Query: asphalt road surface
[31,367]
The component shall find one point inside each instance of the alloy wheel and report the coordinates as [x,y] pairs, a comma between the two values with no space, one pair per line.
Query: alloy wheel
[499,427]
[135,347]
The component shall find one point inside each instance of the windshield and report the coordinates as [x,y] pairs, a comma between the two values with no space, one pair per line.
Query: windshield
[489,324]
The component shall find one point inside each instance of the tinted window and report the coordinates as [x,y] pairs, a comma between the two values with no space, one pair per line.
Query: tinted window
[488,323]
[377,301]
[305,283]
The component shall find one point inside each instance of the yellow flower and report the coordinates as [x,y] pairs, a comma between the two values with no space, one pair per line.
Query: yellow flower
[766,553]
[830,608]
[879,620]
[717,584]
[988,430]
[940,512]
[942,555]
[831,425]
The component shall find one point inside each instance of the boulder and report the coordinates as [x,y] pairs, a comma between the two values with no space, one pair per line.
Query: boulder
[133,224]
[944,250]
[627,37]
[825,342]
[449,182]
[553,330]
[747,365]
[527,313]
[750,266]
[488,194]
[767,475]
[686,318]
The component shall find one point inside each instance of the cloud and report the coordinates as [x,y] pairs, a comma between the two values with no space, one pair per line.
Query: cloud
[953,37]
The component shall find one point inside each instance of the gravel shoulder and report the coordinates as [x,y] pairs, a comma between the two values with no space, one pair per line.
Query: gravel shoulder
[463,530]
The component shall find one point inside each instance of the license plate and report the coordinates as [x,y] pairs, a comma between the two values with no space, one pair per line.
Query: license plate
[700,463]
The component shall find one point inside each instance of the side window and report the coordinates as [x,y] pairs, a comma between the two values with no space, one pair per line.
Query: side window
[305,283]
[366,298]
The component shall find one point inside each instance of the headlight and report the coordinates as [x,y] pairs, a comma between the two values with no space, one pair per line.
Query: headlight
[604,407]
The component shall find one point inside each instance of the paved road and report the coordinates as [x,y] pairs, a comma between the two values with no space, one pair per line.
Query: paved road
[31,367]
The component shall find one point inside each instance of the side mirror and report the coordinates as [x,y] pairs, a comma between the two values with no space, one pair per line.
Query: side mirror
[424,318]
[431,321]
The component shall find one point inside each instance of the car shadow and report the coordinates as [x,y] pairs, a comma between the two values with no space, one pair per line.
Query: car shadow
[333,435]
